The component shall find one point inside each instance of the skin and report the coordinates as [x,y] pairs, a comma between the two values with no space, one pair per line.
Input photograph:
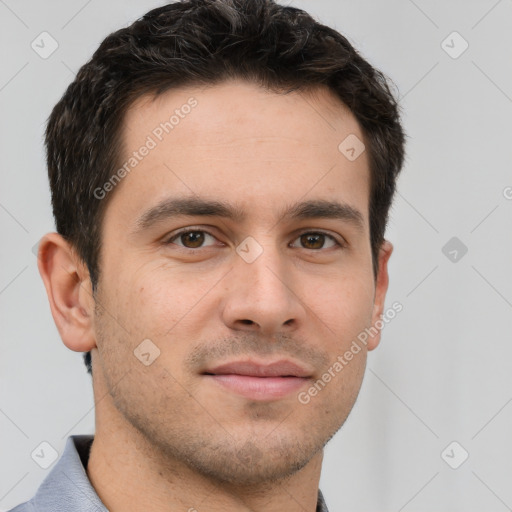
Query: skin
[167,437]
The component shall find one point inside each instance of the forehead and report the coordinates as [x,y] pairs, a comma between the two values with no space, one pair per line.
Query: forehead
[243,144]
[236,108]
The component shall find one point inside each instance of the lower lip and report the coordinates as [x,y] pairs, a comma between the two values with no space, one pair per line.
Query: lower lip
[260,388]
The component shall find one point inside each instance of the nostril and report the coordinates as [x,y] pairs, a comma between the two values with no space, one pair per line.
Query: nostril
[247,322]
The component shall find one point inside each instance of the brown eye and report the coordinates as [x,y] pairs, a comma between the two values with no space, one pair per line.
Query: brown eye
[315,241]
[193,239]
[312,240]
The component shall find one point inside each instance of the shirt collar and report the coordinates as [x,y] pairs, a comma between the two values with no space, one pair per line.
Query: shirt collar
[67,487]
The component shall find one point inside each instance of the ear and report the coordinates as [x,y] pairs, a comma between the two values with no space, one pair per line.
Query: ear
[381,288]
[69,290]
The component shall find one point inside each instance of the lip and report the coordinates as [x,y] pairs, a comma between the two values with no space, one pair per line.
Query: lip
[281,368]
[259,381]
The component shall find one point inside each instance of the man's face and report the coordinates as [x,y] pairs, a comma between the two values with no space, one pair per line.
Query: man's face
[242,325]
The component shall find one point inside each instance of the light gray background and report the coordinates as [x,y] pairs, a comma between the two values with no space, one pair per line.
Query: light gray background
[442,372]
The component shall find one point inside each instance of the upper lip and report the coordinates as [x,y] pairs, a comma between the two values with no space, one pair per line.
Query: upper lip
[281,368]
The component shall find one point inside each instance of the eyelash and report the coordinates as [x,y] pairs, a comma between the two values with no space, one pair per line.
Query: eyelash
[339,244]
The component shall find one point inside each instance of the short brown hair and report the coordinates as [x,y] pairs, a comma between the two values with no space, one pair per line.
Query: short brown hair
[199,42]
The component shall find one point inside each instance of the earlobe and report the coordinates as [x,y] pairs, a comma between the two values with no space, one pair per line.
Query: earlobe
[69,291]
[381,288]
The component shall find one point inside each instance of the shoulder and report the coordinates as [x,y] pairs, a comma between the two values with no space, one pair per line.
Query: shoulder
[64,488]
[24,507]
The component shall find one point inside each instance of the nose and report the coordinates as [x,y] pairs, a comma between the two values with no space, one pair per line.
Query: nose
[260,297]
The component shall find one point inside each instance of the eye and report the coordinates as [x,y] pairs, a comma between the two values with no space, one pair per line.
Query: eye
[316,240]
[192,239]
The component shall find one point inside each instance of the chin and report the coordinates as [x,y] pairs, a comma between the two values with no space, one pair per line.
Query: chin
[255,463]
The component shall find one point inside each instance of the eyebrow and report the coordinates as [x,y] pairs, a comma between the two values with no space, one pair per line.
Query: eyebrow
[198,207]
[190,207]
[323,209]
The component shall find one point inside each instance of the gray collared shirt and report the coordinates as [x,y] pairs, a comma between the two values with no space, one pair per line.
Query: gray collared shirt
[68,489]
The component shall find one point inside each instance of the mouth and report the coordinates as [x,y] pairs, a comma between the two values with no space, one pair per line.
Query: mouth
[259,381]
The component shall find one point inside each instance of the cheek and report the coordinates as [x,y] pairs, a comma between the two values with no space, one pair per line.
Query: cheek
[344,306]
[161,300]
[144,319]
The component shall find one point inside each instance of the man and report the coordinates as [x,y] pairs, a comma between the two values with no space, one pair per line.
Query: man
[221,175]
